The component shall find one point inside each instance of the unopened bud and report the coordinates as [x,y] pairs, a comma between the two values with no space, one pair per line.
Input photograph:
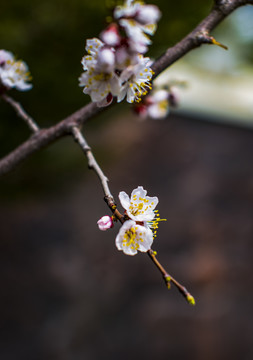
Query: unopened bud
[105,223]
[106,60]
[190,299]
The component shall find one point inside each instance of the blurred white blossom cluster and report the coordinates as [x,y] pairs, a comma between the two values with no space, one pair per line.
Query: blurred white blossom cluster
[139,229]
[115,65]
[157,104]
[13,73]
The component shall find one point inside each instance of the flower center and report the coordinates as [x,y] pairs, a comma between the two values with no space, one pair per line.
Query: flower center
[163,105]
[139,208]
[131,238]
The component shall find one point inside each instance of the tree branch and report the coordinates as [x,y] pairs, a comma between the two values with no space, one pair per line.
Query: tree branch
[200,35]
[153,256]
[93,165]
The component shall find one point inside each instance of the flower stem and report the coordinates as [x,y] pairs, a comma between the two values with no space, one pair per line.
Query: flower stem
[152,255]
[92,163]
[168,278]
[21,113]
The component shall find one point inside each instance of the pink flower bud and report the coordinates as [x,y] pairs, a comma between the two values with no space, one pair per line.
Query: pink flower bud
[110,35]
[105,223]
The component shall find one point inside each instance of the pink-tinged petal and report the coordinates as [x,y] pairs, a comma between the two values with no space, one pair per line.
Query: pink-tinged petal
[105,223]
[111,36]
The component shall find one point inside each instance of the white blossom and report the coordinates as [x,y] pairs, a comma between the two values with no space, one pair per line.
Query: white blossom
[13,73]
[138,41]
[128,9]
[148,14]
[158,104]
[137,20]
[133,238]
[136,81]
[105,223]
[139,207]
[99,79]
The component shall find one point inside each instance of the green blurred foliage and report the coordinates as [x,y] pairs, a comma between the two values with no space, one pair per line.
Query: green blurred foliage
[50,36]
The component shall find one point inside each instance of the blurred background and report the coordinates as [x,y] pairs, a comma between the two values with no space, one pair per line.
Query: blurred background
[67,293]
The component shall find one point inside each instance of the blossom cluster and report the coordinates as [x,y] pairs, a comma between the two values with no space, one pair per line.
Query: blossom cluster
[13,73]
[139,229]
[115,65]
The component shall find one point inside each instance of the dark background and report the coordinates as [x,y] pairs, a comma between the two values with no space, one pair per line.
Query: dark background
[67,293]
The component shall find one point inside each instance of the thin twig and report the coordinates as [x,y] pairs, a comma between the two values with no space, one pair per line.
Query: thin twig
[200,35]
[153,256]
[21,112]
[168,278]
[92,163]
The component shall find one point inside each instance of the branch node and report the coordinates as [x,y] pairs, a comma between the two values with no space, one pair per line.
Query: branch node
[203,37]
[221,5]
[167,280]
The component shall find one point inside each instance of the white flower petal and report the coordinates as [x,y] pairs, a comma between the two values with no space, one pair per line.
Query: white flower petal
[148,14]
[140,207]
[124,199]
[132,238]
[159,110]
[93,45]
[13,74]
[139,192]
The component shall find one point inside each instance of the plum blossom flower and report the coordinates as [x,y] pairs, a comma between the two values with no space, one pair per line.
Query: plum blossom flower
[115,66]
[128,9]
[105,223]
[13,73]
[136,80]
[133,238]
[139,207]
[138,41]
[158,104]
[99,79]
[138,20]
